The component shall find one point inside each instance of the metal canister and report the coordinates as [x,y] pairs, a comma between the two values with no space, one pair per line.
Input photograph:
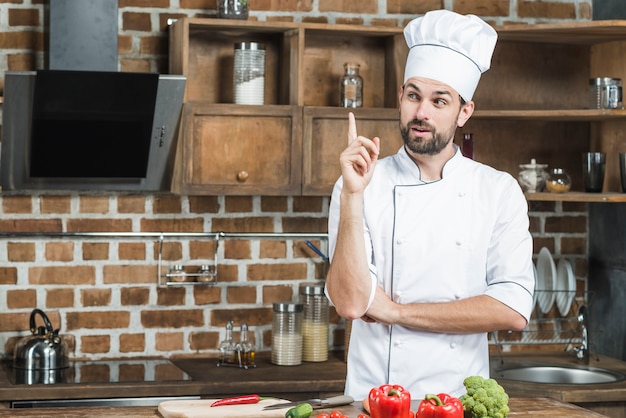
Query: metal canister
[605,93]
[287,334]
[314,323]
[249,73]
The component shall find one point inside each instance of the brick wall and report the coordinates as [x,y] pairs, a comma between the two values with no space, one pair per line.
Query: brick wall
[103,293]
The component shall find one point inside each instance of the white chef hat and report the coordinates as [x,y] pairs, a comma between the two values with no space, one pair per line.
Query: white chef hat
[450,48]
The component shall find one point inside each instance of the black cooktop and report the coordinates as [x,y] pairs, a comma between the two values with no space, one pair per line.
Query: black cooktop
[99,371]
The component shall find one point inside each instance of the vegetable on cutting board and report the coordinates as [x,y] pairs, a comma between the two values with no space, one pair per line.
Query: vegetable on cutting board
[304,410]
[440,406]
[238,400]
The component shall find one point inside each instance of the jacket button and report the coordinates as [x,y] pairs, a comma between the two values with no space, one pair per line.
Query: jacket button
[453,345]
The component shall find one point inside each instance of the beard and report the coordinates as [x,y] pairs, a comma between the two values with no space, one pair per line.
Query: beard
[426,146]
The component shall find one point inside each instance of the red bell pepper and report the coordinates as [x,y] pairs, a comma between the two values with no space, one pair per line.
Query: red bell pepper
[440,406]
[389,401]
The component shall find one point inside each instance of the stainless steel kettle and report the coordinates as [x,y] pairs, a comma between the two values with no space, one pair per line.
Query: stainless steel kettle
[44,350]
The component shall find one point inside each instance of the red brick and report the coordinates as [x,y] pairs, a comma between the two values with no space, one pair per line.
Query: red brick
[172,318]
[134,296]
[166,204]
[21,251]
[545,9]
[21,62]
[95,344]
[272,249]
[169,341]
[129,274]
[131,204]
[98,320]
[237,249]
[8,275]
[241,294]
[304,224]
[143,3]
[202,250]
[204,340]
[132,343]
[99,225]
[59,251]
[252,316]
[95,251]
[95,297]
[171,296]
[17,299]
[154,45]
[173,225]
[274,204]
[203,204]
[290,271]
[171,251]
[206,295]
[131,251]
[62,275]
[566,224]
[17,204]
[93,204]
[31,225]
[273,294]
[60,298]
[482,8]
[307,204]
[136,21]
[135,65]
[242,225]
[24,17]
[55,204]
[238,204]
[29,40]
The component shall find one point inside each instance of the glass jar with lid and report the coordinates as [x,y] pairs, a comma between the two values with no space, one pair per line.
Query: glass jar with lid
[232,9]
[287,334]
[558,181]
[351,86]
[533,176]
[314,322]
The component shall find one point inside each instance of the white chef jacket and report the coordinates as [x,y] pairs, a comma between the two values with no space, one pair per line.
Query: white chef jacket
[464,235]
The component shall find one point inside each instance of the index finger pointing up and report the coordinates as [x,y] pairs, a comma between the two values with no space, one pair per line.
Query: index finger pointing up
[351,128]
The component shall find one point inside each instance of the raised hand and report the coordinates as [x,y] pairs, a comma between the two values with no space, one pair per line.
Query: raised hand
[358,159]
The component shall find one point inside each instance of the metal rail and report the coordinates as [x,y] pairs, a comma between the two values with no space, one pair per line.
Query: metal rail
[160,235]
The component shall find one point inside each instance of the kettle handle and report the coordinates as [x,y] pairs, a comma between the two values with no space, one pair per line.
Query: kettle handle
[33,324]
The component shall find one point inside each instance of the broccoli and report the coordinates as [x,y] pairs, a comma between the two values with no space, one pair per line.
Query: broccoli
[485,398]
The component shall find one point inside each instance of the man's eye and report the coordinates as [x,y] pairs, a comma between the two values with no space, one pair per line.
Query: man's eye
[440,102]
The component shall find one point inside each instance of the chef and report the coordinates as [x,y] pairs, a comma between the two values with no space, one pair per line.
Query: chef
[430,250]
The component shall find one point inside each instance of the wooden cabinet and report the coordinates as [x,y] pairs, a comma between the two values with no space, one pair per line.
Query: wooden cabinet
[532,103]
[290,145]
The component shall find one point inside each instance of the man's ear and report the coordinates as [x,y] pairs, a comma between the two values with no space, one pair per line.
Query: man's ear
[466,112]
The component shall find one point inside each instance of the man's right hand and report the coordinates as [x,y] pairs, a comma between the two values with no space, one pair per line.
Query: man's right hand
[358,159]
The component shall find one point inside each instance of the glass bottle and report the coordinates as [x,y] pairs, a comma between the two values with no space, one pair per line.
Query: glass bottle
[314,323]
[467,146]
[287,334]
[558,181]
[245,349]
[351,86]
[228,347]
[232,9]
[177,273]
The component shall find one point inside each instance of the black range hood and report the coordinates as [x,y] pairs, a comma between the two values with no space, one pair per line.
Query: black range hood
[82,125]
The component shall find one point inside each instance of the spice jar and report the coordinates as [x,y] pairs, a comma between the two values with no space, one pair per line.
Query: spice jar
[249,73]
[245,349]
[205,274]
[228,353]
[558,181]
[287,334]
[533,176]
[177,274]
[351,86]
[314,323]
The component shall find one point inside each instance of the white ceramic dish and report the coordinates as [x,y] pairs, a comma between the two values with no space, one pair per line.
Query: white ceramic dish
[546,280]
[565,286]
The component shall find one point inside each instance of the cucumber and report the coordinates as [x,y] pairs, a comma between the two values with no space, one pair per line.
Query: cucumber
[304,410]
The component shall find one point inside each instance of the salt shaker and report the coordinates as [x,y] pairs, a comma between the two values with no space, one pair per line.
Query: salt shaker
[287,334]
[245,349]
[314,323]
[228,346]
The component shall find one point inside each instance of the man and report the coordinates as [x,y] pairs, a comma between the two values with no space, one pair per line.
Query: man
[430,250]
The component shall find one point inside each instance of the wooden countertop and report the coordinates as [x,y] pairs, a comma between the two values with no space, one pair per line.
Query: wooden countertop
[520,407]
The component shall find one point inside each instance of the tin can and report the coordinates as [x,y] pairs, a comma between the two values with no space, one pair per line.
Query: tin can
[249,73]
[605,93]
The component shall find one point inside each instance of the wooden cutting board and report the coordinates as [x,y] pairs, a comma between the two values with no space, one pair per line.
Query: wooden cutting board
[202,409]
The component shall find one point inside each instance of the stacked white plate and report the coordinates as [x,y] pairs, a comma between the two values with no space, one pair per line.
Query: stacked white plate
[546,280]
[565,286]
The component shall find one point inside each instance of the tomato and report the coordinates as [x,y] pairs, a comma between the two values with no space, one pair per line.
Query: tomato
[363,416]
[336,414]
[323,416]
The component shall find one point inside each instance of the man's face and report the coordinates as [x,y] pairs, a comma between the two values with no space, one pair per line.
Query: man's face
[429,114]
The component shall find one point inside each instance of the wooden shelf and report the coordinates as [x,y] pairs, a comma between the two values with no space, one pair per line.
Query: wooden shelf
[577,197]
[562,115]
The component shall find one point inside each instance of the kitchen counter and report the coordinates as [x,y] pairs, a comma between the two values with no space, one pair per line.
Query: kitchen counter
[520,407]
[298,383]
